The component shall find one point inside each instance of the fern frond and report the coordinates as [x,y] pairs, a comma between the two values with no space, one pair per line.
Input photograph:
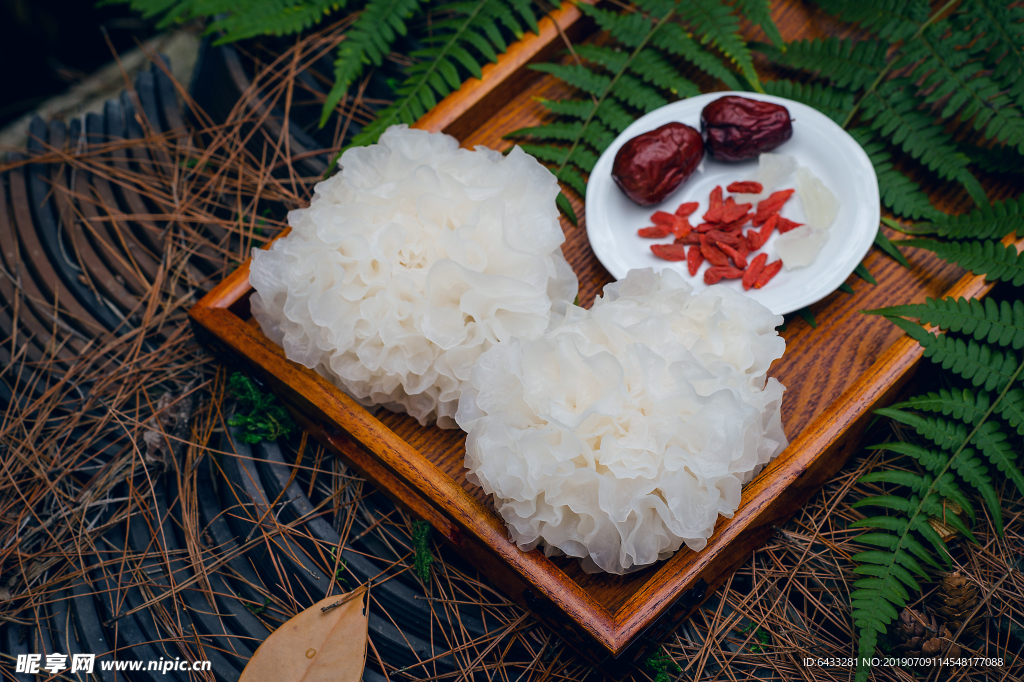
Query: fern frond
[998,323]
[845,63]
[891,112]
[999,28]
[893,20]
[949,75]
[759,12]
[631,29]
[281,18]
[474,24]
[994,221]
[627,81]
[367,42]
[578,76]
[834,103]
[715,23]
[978,363]
[898,192]
[953,436]
[962,404]
[673,39]
[658,71]
[989,258]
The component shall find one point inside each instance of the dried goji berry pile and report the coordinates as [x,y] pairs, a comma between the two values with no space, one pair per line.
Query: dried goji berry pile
[720,238]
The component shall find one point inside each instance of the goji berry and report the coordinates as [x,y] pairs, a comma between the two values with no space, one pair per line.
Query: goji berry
[785,224]
[715,206]
[754,241]
[745,187]
[716,274]
[769,225]
[673,252]
[692,238]
[712,253]
[719,236]
[767,273]
[754,270]
[736,256]
[706,227]
[694,258]
[686,209]
[772,204]
[681,228]
[654,231]
[734,212]
[663,218]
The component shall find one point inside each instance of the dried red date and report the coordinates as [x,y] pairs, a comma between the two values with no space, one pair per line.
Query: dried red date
[736,128]
[651,166]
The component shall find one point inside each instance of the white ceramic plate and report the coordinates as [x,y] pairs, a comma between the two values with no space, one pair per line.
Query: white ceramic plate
[817,143]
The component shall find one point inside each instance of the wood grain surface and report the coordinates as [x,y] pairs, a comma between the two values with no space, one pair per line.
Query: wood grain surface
[835,375]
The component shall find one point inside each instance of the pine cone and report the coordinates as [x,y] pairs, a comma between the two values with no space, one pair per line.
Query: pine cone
[954,601]
[920,634]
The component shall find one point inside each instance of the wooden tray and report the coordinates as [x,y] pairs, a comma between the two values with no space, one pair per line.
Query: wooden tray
[835,375]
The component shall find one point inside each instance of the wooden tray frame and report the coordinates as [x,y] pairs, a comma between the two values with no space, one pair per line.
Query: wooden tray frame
[679,584]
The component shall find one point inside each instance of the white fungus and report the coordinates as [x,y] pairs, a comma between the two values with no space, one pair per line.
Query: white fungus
[409,263]
[800,246]
[820,205]
[623,432]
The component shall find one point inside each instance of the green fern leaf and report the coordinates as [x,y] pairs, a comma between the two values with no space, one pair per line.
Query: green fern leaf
[714,22]
[893,20]
[891,542]
[476,24]
[978,363]
[836,104]
[578,76]
[369,39]
[631,29]
[610,58]
[947,75]
[995,323]
[759,12]
[636,93]
[953,436]
[655,69]
[569,108]
[989,258]
[674,40]
[892,113]
[961,404]
[1011,408]
[844,63]
[999,28]
[285,17]
[553,131]
[898,192]
[994,221]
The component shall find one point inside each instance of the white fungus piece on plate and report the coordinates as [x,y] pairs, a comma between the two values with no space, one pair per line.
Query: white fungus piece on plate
[627,429]
[820,205]
[772,169]
[409,263]
[800,246]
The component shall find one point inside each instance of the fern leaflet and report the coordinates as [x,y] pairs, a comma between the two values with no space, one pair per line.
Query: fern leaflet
[369,39]
[989,258]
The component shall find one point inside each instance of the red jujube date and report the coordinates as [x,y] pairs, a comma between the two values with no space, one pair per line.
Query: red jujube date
[737,128]
[651,166]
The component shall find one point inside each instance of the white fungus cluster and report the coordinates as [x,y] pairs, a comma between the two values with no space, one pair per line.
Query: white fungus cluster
[409,263]
[625,431]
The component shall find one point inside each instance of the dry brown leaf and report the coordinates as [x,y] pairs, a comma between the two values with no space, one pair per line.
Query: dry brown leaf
[316,645]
